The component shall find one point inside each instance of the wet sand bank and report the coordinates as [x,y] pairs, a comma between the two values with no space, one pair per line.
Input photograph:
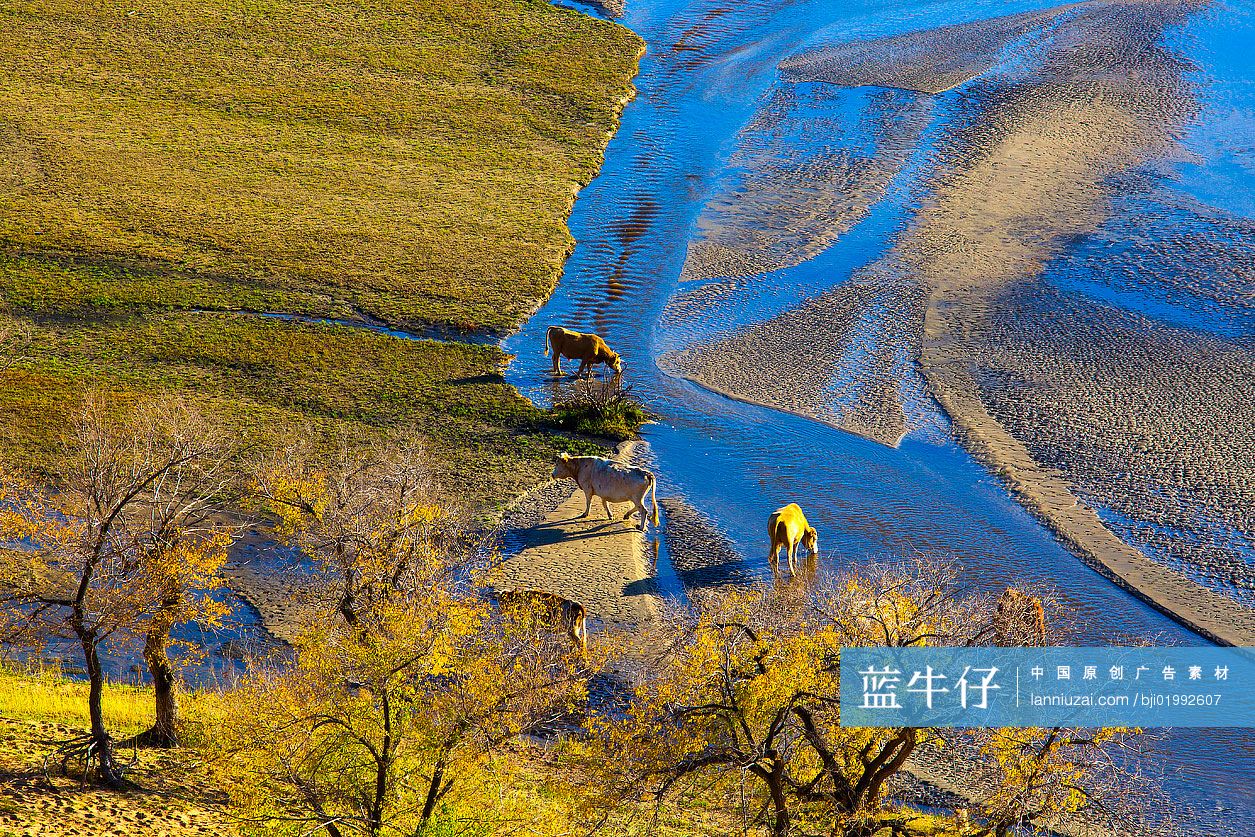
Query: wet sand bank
[710,69]
[1026,165]
[700,553]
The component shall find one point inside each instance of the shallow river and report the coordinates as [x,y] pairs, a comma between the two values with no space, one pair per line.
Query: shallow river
[714,112]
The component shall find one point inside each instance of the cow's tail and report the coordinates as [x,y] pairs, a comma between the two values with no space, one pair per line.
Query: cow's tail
[579,627]
[653,496]
[548,339]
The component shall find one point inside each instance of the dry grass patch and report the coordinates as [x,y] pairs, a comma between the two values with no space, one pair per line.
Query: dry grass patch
[47,697]
[411,161]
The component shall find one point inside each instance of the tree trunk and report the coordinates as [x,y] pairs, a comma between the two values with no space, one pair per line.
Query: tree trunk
[434,790]
[156,643]
[907,746]
[101,743]
[383,766]
[779,802]
[893,753]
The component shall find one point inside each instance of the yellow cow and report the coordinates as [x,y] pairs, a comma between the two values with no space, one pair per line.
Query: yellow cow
[788,528]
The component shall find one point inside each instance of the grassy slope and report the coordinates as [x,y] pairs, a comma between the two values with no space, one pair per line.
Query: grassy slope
[411,160]
[407,162]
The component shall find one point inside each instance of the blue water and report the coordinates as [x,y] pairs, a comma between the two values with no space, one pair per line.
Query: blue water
[710,67]
[204,655]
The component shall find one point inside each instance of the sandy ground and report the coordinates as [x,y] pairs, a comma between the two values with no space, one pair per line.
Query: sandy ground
[605,565]
[796,361]
[794,188]
[175,802]
[993,224]
[1156,425]
[700,553]
[930,61]
[945,777]
[284,604]
[608,566]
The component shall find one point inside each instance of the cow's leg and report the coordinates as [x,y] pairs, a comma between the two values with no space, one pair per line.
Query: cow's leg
[636,504]
[792,557]
[585,370]
[606,503]
[640,506]
[588,502]
[557,362]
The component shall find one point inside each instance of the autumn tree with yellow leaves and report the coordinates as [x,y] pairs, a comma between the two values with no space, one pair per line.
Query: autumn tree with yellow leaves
[366,515]
[746,694]
[742,706]
[1041,777]
[409,678]
[128,541]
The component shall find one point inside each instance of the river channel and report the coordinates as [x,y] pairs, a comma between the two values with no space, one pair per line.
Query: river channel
[779,161]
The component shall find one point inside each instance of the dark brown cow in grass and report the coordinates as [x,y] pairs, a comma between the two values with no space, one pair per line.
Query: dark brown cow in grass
[547,610]
[588,349]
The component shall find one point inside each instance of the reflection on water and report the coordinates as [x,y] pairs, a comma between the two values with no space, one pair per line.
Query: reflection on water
[718,176]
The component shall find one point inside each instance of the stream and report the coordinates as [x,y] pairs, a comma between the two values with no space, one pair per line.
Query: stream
[702,120]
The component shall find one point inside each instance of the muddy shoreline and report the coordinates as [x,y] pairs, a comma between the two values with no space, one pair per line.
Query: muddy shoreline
[1051,499]
[605,564]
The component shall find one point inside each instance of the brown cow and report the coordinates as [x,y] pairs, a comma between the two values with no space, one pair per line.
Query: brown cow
[547,610]
[588,349]
[1019,619]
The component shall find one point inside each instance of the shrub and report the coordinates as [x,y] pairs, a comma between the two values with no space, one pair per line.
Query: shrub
[601,408]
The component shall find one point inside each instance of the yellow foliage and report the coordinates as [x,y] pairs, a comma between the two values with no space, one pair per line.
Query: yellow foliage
[398,697]
[744,705]
[1045,773]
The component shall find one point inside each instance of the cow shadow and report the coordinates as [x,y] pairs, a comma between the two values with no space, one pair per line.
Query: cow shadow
[643,587]
[735,573]
[552,532]
[476,379]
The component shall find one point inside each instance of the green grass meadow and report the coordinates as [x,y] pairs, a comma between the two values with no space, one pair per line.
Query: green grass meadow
[172,168]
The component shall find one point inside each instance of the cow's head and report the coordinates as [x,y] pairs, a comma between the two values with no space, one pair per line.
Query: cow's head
[810,540]
[616,363]
[562,467]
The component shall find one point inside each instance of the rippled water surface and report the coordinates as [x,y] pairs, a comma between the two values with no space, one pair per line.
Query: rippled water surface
[754,201]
